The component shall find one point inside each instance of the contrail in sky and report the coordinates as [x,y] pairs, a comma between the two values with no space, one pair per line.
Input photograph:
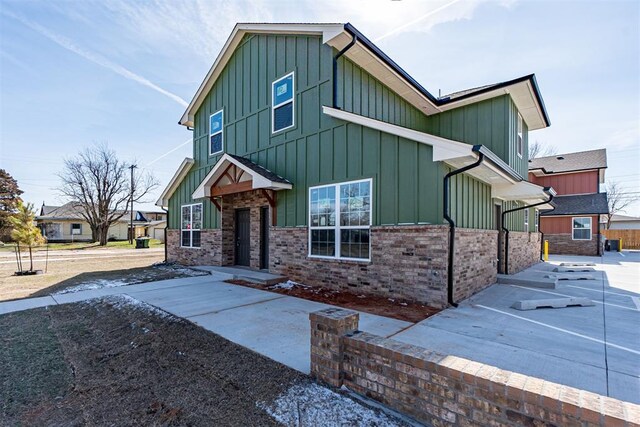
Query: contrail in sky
[95,58]
[169,152]
[415,21]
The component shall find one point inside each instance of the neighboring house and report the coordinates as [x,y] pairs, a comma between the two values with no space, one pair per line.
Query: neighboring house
[624,222]
[66,224]
[337,176]
[574,226]
[625,228]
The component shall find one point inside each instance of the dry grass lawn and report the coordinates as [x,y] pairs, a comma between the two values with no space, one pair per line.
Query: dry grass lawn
[72,272]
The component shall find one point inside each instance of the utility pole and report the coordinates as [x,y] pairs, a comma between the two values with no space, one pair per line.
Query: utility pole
[131,229]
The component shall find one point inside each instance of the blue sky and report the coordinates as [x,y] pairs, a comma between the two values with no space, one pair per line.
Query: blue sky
[75,73]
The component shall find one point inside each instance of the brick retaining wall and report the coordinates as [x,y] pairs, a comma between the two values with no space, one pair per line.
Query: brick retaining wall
[524,250]
[563,244]
[448,390]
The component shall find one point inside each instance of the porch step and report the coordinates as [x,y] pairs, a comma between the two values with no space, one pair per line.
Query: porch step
[534,304]
[530,282]
[240,273]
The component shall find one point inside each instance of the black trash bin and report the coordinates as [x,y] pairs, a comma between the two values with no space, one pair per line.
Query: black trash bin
[142,243]
[607,245]
[614,245]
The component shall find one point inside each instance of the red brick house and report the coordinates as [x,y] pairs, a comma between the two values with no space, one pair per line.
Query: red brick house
[573,227]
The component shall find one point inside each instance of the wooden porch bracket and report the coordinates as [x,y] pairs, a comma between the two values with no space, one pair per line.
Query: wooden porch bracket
[215,202]
[270,195]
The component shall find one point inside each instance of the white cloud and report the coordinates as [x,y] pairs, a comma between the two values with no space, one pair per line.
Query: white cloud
[199,27]
[95,58]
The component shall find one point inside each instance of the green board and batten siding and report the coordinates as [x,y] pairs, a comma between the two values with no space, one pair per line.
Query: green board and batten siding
[322,150]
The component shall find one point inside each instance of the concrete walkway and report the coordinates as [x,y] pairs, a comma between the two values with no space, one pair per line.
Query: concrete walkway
[271,324]
[593,348]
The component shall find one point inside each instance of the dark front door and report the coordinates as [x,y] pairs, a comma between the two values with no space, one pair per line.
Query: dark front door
[243,236]
[264,237]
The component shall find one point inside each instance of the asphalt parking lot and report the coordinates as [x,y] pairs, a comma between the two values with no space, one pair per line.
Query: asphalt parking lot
[596,348]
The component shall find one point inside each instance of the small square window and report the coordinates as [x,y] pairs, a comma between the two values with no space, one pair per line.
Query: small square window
[581,228]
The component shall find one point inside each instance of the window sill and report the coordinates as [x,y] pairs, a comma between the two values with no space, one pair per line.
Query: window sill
[340,260]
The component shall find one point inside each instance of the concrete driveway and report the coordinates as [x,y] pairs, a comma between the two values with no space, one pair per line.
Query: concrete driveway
[594,348]
[271,324]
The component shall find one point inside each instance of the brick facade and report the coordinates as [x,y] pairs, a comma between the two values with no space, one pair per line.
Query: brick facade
[445,390]
[565,245]
[407,262]
[209,253]
[524,250]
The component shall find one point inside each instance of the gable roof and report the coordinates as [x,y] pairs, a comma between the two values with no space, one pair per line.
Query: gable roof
[570,162]
[69,210]
[273,177]
[524,90]
[582,204]
[258,176]
[175,181]
[623,218]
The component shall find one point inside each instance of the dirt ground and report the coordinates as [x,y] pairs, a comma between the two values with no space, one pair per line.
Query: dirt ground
[74,270]
[388,307]
[111,362]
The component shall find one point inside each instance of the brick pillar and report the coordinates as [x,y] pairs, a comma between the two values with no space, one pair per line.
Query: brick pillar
[327,329]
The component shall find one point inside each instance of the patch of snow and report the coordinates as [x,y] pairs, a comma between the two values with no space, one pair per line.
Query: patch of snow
[92,285]
[125,301]
[131,280]
[288,285]
[313,405]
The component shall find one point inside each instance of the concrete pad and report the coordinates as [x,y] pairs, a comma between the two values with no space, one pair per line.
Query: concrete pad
[534,304]
[279,329]
[25,304]
[262,277]
[595,348]
[531,281]
[204,298]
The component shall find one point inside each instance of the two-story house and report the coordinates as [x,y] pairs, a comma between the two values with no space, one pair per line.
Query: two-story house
[573,227]
[317,157]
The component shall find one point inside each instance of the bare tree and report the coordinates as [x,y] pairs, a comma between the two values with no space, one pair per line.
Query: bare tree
[537,149]
[97,181]
[618,200]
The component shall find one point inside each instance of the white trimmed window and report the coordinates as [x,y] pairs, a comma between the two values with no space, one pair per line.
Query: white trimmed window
[283,103]
[581,228]
[340,220]
[536,218]
[191,223]
[526,220]
[520,138]
[76,229]
[216,133]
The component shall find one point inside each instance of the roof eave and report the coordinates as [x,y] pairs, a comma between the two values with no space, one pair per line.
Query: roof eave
[328,31]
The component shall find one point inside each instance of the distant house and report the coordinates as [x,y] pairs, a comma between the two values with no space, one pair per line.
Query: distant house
[66,224]
[574,226]
[318,158]
[624,222]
